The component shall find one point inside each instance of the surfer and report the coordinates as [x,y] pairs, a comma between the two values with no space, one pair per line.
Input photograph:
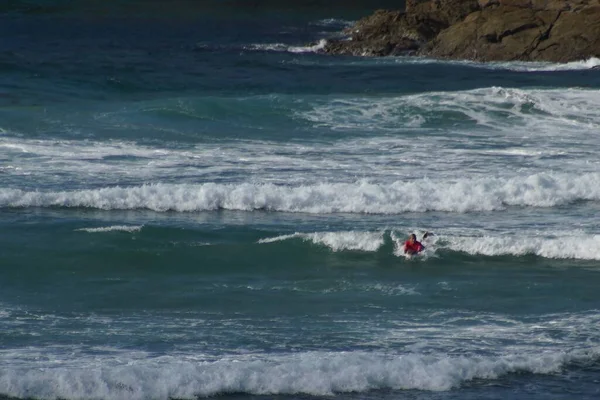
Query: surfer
[412,246]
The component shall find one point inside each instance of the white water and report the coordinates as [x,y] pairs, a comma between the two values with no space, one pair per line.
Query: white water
[512,112]
[412,354]
[544,66]
[337,241]
[281,47]
[460,195]
[312,373]
[501,132]
[586,247]
[563,245]
[117,228]
[519,66]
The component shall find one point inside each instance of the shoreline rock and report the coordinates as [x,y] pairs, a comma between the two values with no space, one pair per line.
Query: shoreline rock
[479,30]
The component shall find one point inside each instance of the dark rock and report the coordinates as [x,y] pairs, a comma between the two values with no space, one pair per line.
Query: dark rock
[401,32]
[557,5]
[490,35]
[444,12]
[484,30]
[574,36]
[378,48]
[383,33]
[517,32]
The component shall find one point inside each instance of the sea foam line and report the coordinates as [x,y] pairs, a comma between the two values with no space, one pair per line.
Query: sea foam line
[519,66]
[119,228]
[460,195]
[281,47]
[337,241]
[590,63]
[312,373]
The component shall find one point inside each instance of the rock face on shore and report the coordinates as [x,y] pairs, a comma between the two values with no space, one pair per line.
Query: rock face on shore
[482,30]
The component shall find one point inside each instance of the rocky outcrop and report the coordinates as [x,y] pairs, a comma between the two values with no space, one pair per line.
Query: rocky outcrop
[522,30]
[383,33]
[483,30]
[395,32]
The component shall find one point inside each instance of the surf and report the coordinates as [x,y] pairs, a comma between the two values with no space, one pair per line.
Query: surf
[310,373]
[457,196]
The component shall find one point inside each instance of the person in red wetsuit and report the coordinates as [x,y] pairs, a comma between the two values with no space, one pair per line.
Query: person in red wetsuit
[412,246]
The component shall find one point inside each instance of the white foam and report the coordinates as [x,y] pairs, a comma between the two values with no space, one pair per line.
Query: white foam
[575,245]
[311,373]
[281,47]
[308,49]
[280,238]
[267,47]
[118,228]
[337,241]
[460,195]
[545,66]
[79,150]
[567,245]
[333,22]
[519,66]
[8,167]
[564,247]
[494,132]
[479,332]
[392,290]
[67,161]
[513,111]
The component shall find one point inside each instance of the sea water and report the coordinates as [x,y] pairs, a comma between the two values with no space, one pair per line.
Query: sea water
[195,203]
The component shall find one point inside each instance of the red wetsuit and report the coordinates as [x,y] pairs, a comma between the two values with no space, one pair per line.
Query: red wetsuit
[413,248]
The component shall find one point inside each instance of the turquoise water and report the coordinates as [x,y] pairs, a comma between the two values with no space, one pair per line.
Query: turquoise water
[195,203]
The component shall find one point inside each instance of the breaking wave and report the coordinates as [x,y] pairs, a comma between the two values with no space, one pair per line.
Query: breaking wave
[460,195]
[337,241]
[576,247]
[311,373]
[510,110]
[579,245]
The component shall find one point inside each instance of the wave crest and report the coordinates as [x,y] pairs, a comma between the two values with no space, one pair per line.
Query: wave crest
[312,373]
[576,247]
[579,245]
[337,241]
[462,195]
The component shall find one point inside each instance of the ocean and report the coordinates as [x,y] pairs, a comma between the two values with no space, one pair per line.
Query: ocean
[195,203]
